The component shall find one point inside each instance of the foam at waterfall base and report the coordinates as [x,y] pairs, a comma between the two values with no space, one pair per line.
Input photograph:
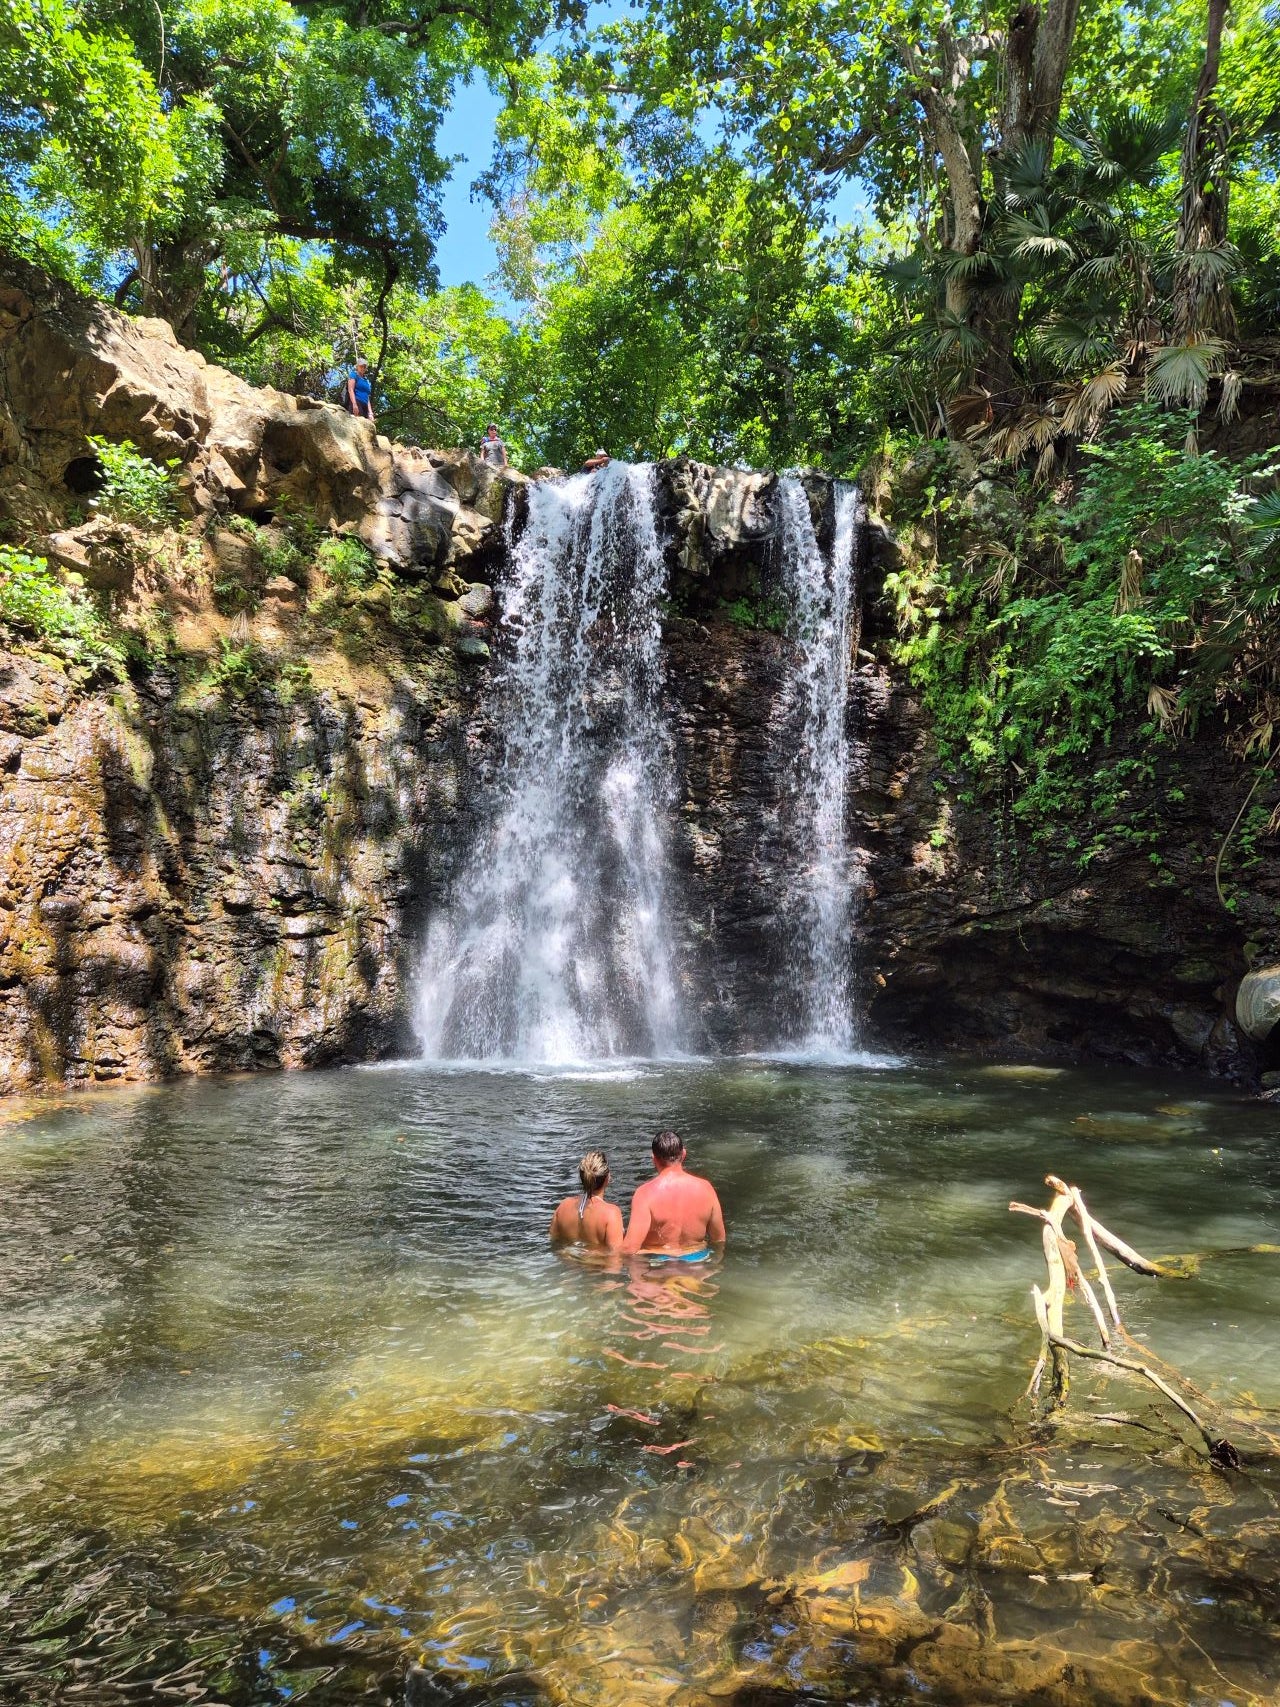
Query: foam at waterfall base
[828,1055]
[621,1070]
[607,1070]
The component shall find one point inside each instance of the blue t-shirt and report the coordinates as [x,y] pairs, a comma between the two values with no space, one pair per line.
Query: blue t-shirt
[363,385]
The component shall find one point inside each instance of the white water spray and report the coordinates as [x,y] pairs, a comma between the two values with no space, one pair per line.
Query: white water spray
[818,916]
[557,945]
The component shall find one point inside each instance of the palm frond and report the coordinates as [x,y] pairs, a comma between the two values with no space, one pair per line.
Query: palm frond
[1042,427]
[1126,145]
[1098,267]
[951,265]
[1180,373]
[1138,138]
[1072,343]
[1162,704]
[905,269]
[954,337]
[1265,511]
[1229,400]
[1045,247]
[1094,227]
[1005,571]
[1209,266]
[1032,429]
[1046,462]
[971,411]
[1007,443]
[1129,591]
[1077,133]
[1023,172]
[1086,406]
[1031,234]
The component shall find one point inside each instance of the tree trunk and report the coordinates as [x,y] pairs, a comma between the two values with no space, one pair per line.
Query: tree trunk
[172,277]
[1202,291]
[1049,63]
[964,192]
[940,94]
[1035,51]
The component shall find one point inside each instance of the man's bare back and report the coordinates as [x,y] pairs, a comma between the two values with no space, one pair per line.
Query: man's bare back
[677,1211]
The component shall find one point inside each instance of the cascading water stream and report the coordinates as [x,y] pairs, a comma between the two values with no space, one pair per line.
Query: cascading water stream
[819,913]
[557,945]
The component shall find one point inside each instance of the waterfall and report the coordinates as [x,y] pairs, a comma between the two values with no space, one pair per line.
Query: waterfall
[557,945]
[818,914]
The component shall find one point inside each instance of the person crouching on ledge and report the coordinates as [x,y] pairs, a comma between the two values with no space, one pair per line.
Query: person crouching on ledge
[587,1219]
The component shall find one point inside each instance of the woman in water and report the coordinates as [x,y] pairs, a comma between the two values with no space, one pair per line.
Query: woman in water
[587,1219]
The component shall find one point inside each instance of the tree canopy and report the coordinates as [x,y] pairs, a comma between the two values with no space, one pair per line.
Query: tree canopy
[178,140]
[753,232]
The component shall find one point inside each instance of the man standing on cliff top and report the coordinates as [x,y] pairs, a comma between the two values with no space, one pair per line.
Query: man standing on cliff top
[676,1212]
[492,449]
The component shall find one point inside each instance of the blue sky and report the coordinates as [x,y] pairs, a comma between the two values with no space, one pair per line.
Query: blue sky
[465,253]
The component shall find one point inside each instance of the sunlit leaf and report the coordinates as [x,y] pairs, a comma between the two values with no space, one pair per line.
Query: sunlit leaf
[1180,373]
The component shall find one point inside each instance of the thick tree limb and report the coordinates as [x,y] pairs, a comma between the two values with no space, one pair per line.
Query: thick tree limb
[1091,1300]
[1055,1300]
[841,156]
[417,31]
[1049,61]
[1129,1257]
[268,323]
[391,272]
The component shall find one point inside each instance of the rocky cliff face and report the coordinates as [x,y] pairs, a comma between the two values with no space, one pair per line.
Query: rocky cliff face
[223,856]
[969,938]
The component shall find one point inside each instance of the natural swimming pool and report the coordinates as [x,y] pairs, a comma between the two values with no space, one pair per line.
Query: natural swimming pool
[293,1396]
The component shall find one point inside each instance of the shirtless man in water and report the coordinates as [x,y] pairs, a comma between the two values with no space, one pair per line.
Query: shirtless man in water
[588,1219]
[676,1211]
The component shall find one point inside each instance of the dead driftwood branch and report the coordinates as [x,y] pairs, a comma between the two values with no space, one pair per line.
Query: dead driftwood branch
[1091,1239]
[1070,1199]
[1220,1451]
[1065,1276]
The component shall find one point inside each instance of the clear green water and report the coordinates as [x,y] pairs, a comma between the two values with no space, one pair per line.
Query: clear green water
[296,1404]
